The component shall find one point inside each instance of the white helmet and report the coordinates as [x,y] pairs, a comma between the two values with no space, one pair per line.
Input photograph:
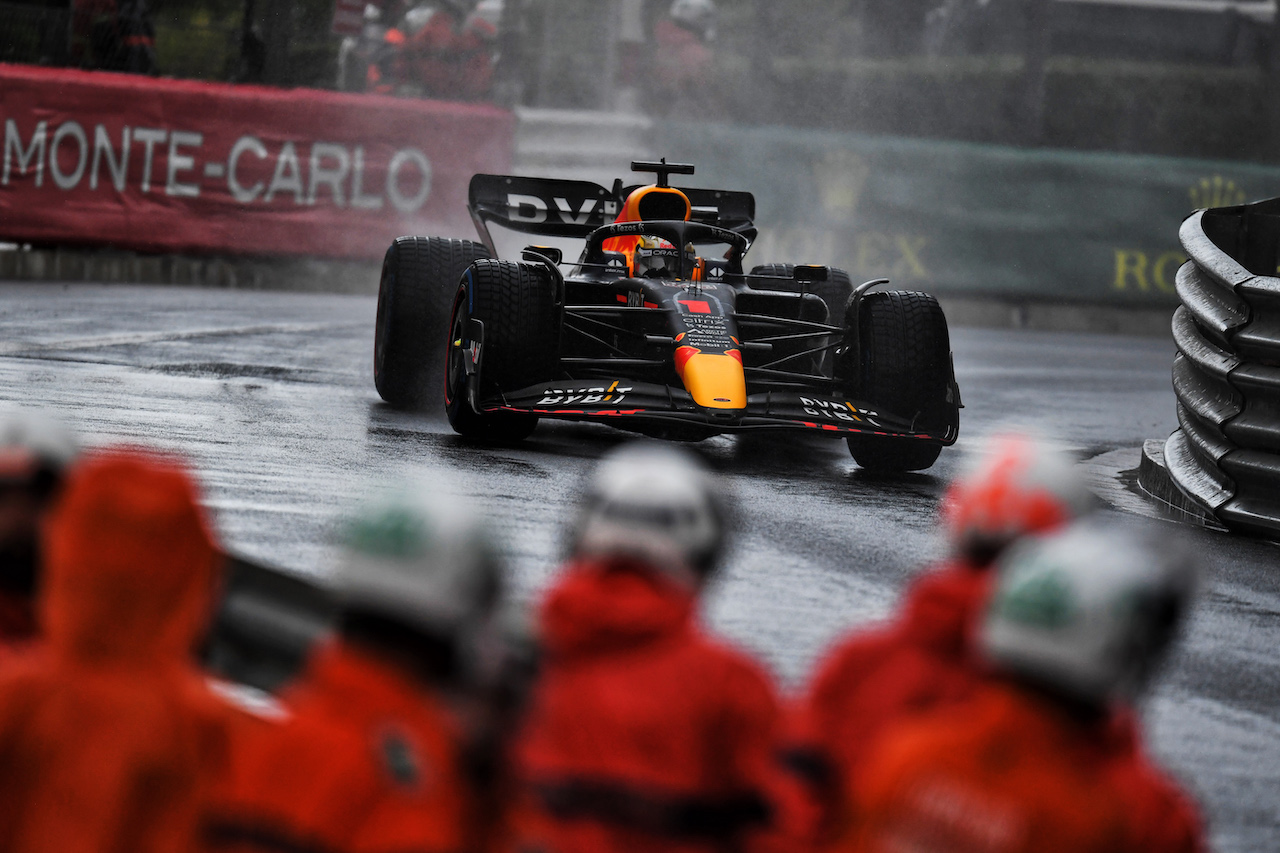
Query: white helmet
[35,452]
[656,504]
[485,19]
[1088,611]
[33,444]
[1012,485]
[420,558]
[697,15]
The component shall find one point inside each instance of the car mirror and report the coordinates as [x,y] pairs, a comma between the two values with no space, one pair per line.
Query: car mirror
[811,273]
[550,253]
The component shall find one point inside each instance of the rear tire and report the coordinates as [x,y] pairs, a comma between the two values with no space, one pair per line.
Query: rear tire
[834,291]
[517,305]
[419,277]
[904,368]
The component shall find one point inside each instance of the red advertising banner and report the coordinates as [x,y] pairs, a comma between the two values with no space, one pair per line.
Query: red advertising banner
[95,158]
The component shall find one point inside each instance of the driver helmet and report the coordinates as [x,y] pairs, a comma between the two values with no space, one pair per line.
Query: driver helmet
[36,452]
[449,14]
[699,16]
[655,257]
[484,19]
[424,560]
[1088,612]
[1013,485]
[34,449]
[418,17]
[656,504]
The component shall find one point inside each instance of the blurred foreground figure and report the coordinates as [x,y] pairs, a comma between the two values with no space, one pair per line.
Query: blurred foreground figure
[1032,761]
[34,454]
[1014,485]
[643,733]
[372,757]
[438,49]
[108,735]
[683,58]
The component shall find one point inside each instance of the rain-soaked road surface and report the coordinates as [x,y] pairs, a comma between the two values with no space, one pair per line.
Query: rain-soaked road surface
[271,395]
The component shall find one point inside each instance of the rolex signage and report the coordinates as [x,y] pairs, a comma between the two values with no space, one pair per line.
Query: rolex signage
[953,217]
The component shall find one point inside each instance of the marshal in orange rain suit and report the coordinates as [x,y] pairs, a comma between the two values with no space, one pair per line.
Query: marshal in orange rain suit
[17,620]
[108,736]
[367,760]
[1006,771]
[27,487]
[642,733]
[921,662]
[916,662]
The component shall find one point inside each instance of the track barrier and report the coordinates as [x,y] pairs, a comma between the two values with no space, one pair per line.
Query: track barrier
[153,165]
[1225,455]
[977,220]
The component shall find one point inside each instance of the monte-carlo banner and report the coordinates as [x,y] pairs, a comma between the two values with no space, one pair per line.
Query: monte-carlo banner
[96,158]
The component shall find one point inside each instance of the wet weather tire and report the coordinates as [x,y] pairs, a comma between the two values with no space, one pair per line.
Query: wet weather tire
[517,305]
[834,291]
[904,368]
[419,278]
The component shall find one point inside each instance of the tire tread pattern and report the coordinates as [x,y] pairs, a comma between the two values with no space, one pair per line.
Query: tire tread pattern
[906,369]
[516,303]
[424,273]
[905,350]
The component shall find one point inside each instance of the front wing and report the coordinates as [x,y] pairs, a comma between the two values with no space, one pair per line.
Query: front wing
[622,400]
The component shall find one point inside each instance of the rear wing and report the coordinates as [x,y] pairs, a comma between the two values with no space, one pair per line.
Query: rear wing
[563,208]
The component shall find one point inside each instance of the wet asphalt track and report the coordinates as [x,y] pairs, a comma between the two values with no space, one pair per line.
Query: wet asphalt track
[272,396]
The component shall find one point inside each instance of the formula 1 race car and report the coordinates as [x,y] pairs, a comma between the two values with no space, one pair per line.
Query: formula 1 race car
[656,327]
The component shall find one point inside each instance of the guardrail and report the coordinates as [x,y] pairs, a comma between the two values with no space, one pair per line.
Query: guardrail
[1225,455]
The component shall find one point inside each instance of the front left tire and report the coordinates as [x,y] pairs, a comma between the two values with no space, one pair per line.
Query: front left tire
[419,277]
[516,303]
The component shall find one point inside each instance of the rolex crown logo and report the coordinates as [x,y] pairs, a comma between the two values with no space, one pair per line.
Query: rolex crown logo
[1216,192]
[840,176]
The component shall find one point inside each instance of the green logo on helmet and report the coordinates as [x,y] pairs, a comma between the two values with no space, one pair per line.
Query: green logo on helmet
[393,532]
[1041,598]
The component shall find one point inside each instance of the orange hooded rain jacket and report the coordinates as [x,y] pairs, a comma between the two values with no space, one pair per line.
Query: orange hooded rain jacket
[642,733]
[108,736]
[924,661]
[875,676]
[1006,771]
[17,621]
[367,761]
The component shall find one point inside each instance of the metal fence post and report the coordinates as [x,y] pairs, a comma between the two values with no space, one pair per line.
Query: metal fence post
[1272,80]
[1038,44]
[609,71]
[277,31]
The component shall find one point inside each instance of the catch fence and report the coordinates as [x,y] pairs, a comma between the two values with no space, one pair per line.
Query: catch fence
[182,43]
[35,35]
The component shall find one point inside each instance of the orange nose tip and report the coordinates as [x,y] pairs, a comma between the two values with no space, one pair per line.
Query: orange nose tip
[715,381]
